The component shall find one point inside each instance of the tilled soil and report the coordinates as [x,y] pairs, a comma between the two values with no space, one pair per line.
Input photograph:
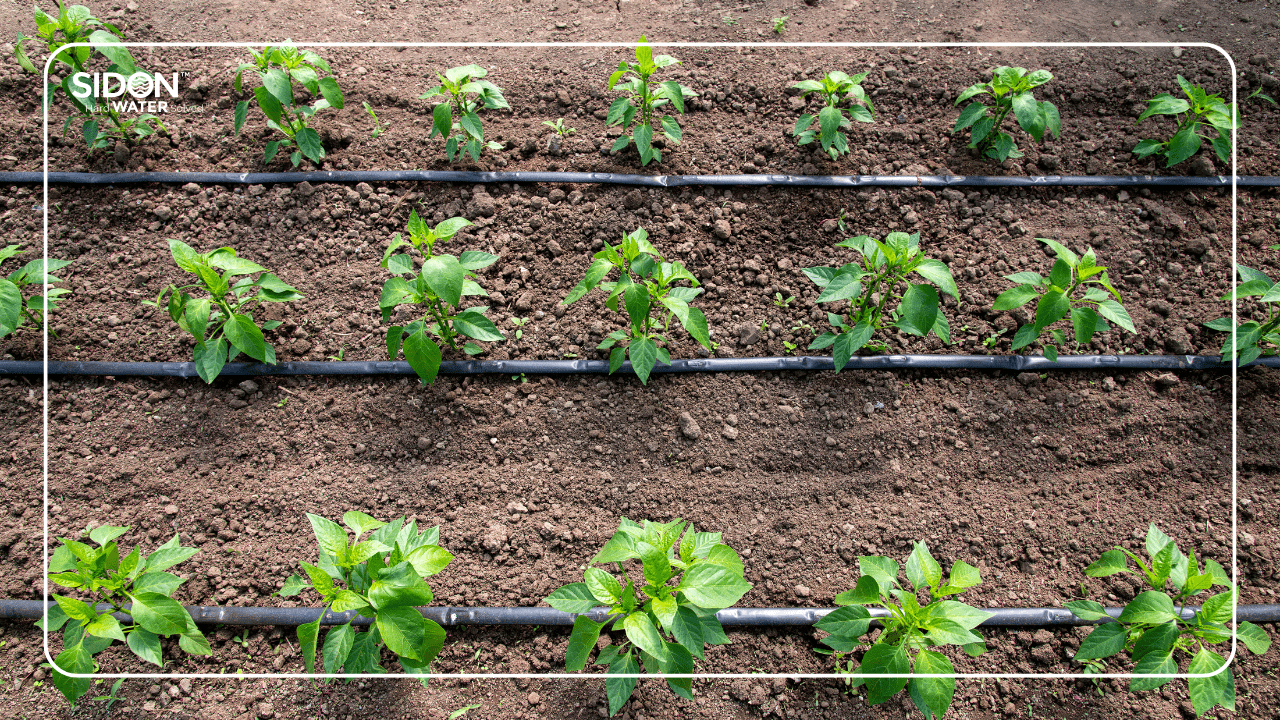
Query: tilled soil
[1029,478]
[741,121]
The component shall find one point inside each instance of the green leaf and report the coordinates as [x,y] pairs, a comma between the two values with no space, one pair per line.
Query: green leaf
[1183,144]
[604,587]
[1158,639]
[581,642]
[75,609]
[105,626]
[884,660]
[428,560]
[337,646]
[619,690]
[971,114]
[110,47]
[1105,641]
[686,627]
[852,621]
[642,632]
[883,569]
[922,569]
[1208,692]
[404,631]
[1087,609]
[1254,638]
[1111,562]
[307,636]
[1159,662]
[573,598]
[423,356]
[1027,111]
[1151,606]
[271,107]
[932,696]
[1217,608]
[918,310]
[444,275]
[713,586]
[939,274]
[679,660]
[146,645]
[842,286]
[329,535]
[245,336]
[309,144]
[963,576]
[1115,312]
[849,342]
[331,92]
[1053,306]
[158,613]
[644,355]
[867,591]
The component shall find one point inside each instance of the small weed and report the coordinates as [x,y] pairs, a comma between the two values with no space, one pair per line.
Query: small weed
[377,124]
[730,20]
[780,24]
[778,301]
[561,129]
[338,357]
[519,323]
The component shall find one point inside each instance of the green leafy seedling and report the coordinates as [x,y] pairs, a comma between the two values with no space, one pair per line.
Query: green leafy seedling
[519,322]
[1200,111]
[642,97]
[380,578]
[377,124]
[101,122]
[439,288]
[99,572]
[834,88]
[780,24]
[780,302]
[1151,628]
[1010,88]
[278,68]
[1056,299]
[223,324]
[646,283]
[667,625]
[871,288]
[15,308]
[1251,339]
[561,129]
[912,630]
[465,92]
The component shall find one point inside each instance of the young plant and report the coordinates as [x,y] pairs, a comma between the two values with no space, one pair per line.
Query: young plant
[1152,630]
[910,632]
[381,578]
[561,129]
[377,124]
[1056,298]
[14,308]
[223,324]
[834,88]
[101,122]
[105,578]
[1010,88]
[780,302]
[646,283]
[278,68]
[871,287]
[637,109]
[1249,341]
[667,625]
[1198,110]
[465,91]
[439,288]
[780,24]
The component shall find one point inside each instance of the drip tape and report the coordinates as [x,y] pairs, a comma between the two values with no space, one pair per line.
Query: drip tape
[732,617]
[1013,363]
[662,181]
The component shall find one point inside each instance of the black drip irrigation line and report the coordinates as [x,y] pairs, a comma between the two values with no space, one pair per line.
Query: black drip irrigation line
[1013,363]
[662,181]
[732,617]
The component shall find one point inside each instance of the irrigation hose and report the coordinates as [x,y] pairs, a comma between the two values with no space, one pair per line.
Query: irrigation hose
[663,181]
[1013,363]
[732,617]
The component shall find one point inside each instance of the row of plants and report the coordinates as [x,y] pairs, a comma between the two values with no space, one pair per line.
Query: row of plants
[881,287]
[641,110]
[666,611]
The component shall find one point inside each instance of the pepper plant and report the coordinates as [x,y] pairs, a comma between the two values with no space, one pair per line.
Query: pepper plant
[834,88]
[1056,298]
[666,625]
[132,584]
[1251,339]
[14,307]
[872,285]
[637,109]
[1010,88]
[465,91]
[223,324]
[910,631]
[646,283]
[380,578]
[1152,629]
[439,287]
[278,68]
[1193,114]
[101,122]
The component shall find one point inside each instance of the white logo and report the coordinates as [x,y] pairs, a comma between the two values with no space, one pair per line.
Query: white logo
[140,86]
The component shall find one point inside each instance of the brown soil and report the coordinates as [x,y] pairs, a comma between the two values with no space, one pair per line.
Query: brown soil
[1028,478]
